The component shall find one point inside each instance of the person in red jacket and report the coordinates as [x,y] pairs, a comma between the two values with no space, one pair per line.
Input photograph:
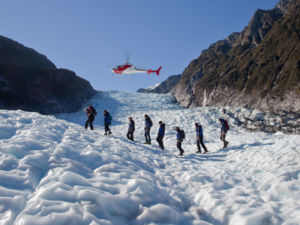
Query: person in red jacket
[224,129]
[90,113]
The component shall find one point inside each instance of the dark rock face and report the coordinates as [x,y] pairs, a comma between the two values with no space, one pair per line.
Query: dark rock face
[29,81]
[257,68]
[164,87]
[14,54]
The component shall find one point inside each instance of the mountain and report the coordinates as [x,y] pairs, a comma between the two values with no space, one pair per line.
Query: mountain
[164,87]
[257,68]
[54,172]
[29,81]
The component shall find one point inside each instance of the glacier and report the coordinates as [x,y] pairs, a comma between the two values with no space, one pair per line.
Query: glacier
[53,171]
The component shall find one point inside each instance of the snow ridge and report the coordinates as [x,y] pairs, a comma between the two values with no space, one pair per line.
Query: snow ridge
[53,171]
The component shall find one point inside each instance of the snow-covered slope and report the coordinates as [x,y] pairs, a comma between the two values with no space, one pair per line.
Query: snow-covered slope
[53,171]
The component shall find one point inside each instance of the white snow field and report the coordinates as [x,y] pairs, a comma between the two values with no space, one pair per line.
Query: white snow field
[53,171]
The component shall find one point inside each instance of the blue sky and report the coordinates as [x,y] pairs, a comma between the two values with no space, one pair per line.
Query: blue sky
[91,36]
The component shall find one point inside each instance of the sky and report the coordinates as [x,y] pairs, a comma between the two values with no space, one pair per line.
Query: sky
[90,37]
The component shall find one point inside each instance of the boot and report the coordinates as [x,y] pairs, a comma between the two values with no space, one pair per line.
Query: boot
[226,144]
[199,151]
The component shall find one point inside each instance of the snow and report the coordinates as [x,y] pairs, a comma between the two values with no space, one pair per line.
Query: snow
[53,171]
[153,86]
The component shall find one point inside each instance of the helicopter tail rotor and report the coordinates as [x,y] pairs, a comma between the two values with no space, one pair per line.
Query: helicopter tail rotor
[157,71]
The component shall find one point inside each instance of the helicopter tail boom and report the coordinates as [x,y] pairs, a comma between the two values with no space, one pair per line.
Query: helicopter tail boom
[154,71]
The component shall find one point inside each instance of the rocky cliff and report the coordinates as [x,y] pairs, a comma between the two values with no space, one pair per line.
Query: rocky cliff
[256,68]
[164,87]
[29,81]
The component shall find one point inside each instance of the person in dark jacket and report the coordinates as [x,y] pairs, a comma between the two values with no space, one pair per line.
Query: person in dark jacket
[148,125]
[90,113]
[223,132]
[199,135]
[179,140]
[161,134]
[107,122]
[131,128]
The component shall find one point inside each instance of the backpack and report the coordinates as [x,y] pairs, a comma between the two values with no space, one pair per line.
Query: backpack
[226,125]
[200,131]
[94,111]
[110,118]
[150,122]
[90,111]
[182,134]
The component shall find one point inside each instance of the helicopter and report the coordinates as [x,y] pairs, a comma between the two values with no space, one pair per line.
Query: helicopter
[130,69]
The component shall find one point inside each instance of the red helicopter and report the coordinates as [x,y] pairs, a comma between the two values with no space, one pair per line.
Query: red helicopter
[130,69]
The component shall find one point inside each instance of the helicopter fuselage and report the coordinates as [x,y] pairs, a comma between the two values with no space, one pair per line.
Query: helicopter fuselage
[130,69]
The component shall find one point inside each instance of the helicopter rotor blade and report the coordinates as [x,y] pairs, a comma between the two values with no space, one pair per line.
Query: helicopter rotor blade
[127,56]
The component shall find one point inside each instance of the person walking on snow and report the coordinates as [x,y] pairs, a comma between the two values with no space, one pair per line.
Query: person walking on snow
[224,129]
[107,122]
[179,138]
[90,113]
[199,135]
[131,128]
[161,134]
[148,125]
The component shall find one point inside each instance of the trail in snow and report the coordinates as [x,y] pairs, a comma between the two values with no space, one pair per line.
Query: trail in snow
[53,171]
